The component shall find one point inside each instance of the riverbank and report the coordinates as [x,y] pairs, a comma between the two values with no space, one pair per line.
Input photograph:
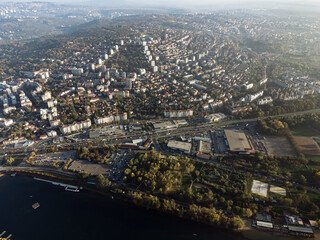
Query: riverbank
[178,209]
[251,233]
[85,215]
[123,195]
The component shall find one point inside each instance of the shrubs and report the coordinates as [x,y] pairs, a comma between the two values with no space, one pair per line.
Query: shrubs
[30,160]
[67,164]
[8,161]
[102,181]
[97,155]
[195,212]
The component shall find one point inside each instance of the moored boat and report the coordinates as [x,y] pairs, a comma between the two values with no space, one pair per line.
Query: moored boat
[36,205]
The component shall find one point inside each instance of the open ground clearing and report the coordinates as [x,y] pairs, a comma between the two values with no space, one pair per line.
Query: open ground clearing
[89,167]
[308,146]
[260,188]
[278,190]
[279,146]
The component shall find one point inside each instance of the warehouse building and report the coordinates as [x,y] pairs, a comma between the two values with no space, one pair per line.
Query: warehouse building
[204,147]
[237,142]
[164,125]
[180,146]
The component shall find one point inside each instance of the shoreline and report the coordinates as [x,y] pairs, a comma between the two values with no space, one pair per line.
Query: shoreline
[247,229]
[114,193]
[118,194]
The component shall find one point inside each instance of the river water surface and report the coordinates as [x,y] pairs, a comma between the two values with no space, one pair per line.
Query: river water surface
[66,215]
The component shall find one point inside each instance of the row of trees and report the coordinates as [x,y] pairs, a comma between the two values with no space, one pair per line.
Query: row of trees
[267,165]
[312,120]
[281,107]
[195,212]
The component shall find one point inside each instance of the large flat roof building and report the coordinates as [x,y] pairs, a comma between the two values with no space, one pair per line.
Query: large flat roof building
[181,146]
[237,141]
[164,125]
[204,147]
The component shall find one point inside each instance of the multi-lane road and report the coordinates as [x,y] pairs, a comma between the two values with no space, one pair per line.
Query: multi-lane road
[193,130]
[182,131]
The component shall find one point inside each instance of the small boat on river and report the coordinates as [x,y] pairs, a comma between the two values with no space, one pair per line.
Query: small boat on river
[36,205]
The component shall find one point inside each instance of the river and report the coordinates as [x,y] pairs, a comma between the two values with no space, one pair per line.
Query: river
[66,215]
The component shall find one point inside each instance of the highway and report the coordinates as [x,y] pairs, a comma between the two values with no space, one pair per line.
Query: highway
[194,130]
[182,131]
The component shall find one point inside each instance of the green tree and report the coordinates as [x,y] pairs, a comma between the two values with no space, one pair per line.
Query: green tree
[302,179]
[8,161]
[236,223]
[102,181]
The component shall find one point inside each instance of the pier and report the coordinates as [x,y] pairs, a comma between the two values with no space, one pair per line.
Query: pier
[67,187]
[5,238]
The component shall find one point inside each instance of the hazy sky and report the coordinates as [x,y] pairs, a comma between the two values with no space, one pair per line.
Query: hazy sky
[176,3]
[198,3]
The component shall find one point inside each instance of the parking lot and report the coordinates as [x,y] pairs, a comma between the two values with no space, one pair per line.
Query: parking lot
[108,131]
[114,169]
[257,140]
[117,164]
[58,159]
[89,167]
[220,146]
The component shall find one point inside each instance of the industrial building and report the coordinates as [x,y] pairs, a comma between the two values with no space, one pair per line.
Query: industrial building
[180,146]
[170,124]
[216,117]
[237,142]
[204,147]
[164,125]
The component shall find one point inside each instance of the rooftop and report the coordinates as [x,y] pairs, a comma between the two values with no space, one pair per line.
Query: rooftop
[205,147]
[182,146]
[237,140]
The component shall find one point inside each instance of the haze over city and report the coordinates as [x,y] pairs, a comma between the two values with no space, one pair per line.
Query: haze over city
[211,4]
[182,119]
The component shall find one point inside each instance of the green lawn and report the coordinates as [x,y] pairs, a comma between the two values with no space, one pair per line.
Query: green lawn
[305,131]
[314,197]
[314,167]
[313,158]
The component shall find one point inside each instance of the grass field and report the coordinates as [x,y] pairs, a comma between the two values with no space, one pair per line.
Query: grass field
[313,158]
[314,196]
[316,167]
[305,131]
